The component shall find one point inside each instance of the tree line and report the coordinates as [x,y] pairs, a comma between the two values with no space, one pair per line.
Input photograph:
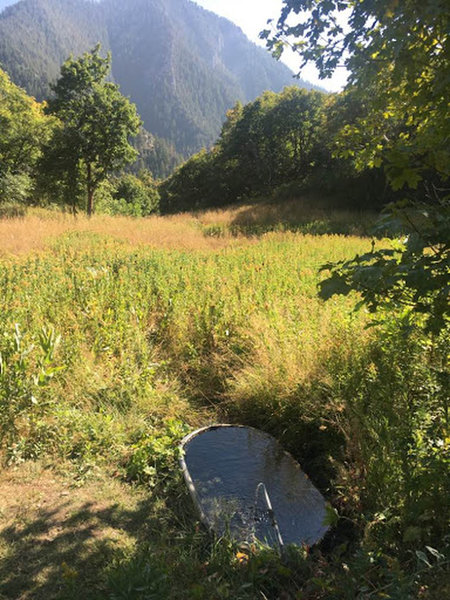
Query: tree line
[285,143]
[85,146]
[384,137]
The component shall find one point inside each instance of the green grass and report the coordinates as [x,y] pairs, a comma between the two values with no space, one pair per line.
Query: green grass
[110,353]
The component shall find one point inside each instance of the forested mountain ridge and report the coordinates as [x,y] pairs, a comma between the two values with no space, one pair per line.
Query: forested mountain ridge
[37,36]
[183,66]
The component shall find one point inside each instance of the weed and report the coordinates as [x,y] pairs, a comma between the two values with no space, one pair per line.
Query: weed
[25,374]
[154,457]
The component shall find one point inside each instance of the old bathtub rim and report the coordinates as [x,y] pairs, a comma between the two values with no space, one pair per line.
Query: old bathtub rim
[191,486]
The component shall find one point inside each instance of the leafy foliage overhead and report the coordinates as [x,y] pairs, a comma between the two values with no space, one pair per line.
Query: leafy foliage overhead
[412,275]
[397,54]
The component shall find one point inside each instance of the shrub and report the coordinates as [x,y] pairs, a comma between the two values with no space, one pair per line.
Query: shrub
[153,458]
[15,189]
[135,196]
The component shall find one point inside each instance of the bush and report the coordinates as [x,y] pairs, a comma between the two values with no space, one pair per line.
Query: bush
[393,406]
[15,189]
[153,460]
[135,196]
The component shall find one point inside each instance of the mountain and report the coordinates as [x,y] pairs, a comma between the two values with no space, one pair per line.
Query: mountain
[182,65]
[36,37]
[5,3]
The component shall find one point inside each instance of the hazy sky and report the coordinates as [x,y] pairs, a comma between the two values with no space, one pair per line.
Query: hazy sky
[252,16]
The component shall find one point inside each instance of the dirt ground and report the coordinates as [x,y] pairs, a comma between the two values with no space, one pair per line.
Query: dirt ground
[57,534]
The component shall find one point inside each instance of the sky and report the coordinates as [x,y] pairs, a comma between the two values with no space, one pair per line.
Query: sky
[251,16]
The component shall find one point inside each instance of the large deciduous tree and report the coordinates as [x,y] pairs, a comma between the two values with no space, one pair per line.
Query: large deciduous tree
[275,138]
[97,123]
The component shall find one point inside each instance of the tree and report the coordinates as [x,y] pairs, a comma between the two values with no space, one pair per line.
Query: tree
[397,55]
[59,178]
[23,129]
[298,127]
[274,139]
[97,121]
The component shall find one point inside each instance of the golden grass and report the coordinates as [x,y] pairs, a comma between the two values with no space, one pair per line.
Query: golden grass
[39,229]
[286,354]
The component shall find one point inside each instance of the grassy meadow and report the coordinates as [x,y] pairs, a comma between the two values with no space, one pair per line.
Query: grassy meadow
[120,335]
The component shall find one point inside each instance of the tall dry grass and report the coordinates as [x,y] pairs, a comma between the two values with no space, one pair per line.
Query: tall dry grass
[38,230]
[203,231]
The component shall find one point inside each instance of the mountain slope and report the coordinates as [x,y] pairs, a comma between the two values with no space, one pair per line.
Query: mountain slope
[182,65]
[5,3]
[181,94]
[36,37]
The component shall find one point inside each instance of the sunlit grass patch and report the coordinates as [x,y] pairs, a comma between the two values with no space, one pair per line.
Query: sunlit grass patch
[199,231]
[143,329]
[39,229]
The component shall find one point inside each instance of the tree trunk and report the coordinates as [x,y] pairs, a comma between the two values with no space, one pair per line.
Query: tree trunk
[74,199]
[90,192]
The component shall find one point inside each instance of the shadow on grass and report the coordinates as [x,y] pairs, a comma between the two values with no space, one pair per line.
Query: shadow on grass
[62,555]
[301,218]
[12,211]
